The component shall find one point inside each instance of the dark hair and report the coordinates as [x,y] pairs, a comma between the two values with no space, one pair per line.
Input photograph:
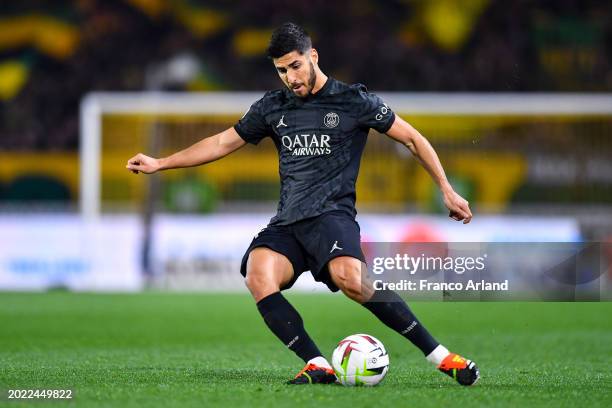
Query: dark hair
[287,38]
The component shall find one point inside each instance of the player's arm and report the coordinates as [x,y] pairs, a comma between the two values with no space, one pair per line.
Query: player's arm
[205,151]
[420,147]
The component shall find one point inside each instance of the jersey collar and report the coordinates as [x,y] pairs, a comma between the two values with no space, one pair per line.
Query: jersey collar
[323,91]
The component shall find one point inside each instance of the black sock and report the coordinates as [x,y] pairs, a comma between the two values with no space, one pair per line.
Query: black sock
[391,309]
[286,323]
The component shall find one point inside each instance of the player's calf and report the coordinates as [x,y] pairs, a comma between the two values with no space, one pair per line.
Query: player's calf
[391,309]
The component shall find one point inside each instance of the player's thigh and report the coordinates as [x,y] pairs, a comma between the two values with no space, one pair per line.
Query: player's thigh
[331,236]
[268,268]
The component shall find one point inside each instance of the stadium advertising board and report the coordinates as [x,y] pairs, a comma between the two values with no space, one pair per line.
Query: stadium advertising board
[44,252]
[204,253]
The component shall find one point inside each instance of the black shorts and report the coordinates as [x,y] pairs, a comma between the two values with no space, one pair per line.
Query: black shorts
[310,244]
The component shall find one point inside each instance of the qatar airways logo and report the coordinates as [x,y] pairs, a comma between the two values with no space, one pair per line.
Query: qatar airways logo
[307,145]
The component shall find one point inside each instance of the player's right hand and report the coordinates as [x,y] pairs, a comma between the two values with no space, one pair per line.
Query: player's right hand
[143,163]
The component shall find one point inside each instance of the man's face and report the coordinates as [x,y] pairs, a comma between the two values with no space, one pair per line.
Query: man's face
[297,71]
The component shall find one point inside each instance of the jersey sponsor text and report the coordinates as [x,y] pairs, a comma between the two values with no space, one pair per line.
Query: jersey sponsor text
[307,144]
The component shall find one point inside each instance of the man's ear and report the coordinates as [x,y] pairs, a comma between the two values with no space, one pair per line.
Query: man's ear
[314,56]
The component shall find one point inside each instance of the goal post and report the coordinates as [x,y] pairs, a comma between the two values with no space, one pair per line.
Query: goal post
[96,104]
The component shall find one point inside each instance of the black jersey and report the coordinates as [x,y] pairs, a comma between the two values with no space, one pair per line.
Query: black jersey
[320,140]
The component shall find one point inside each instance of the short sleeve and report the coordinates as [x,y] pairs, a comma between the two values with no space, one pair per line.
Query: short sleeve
[374,113]
[252,126]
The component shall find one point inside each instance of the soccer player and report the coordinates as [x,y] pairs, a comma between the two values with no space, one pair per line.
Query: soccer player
[319,126]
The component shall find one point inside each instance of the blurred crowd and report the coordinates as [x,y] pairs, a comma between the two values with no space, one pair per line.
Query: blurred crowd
[52,53]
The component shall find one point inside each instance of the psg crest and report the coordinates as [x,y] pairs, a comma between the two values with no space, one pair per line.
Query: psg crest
[331,120]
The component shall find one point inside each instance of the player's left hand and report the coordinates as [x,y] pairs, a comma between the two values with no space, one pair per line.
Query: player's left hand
[458,206]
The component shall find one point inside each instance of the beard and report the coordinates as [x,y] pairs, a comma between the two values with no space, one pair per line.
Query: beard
[310,83]
[312,78]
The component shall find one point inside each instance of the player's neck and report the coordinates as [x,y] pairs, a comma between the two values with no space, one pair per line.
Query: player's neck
[319,82]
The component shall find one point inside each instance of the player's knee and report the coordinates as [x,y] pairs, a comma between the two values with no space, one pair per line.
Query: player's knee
[267,271]
[347,276]
[260,283]
[353,290]
[255,279]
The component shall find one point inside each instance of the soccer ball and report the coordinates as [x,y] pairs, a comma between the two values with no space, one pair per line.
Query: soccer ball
[360,359]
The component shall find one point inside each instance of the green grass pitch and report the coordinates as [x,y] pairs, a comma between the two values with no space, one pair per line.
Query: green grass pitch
[158,349]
